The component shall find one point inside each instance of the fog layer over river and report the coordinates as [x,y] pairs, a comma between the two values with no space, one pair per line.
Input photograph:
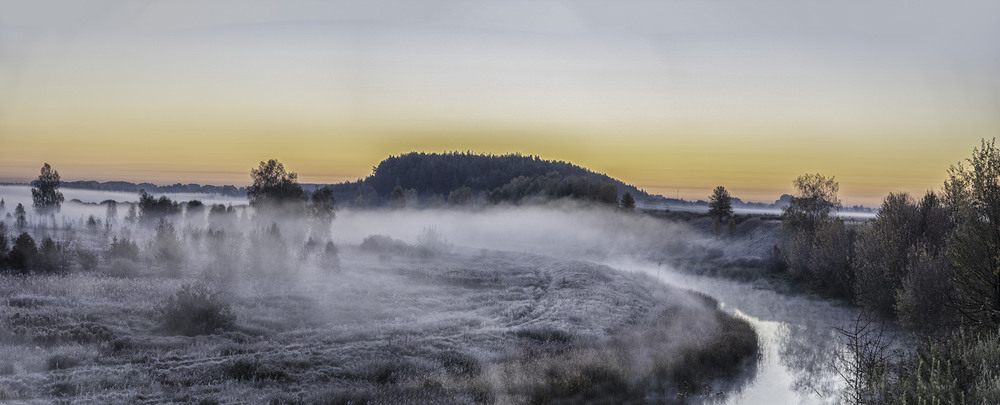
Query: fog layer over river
[798,338]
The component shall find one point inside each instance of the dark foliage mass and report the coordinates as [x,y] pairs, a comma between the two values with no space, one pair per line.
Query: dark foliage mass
[45,193]
[720,204]
[152,209]
[432,174]
[22,255]
[273,186]
[196,310]
[818,247]
[931,264]
[628,202]
[553,186]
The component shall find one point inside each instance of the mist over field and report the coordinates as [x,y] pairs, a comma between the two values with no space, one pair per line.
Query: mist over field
[546,289]
[458,305]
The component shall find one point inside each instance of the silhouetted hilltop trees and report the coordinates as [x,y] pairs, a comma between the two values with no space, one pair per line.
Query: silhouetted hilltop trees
[432,174]
[553,186]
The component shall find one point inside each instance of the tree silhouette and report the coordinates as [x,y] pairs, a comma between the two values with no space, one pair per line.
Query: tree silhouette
[22,255]
[720,204]
[398,199]
[45,193]
[461,196]
[4,246]
[628,203]
[273,186]
[323,209]
[20,221]
[810,208]
[814,200]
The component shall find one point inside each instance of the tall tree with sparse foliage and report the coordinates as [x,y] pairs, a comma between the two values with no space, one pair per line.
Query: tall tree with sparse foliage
[810,209]
[720,204]
[814,201]
[45,193]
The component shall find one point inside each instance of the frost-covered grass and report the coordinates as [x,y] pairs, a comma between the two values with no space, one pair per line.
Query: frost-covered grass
[491,327]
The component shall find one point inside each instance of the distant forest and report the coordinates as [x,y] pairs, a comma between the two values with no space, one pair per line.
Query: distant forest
[128,187]
[430,179]
[433,177]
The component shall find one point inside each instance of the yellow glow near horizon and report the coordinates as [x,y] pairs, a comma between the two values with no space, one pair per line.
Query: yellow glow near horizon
[658,96]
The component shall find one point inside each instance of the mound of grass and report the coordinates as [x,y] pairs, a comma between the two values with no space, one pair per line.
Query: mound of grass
[245,369]
[383,244]
[196,310]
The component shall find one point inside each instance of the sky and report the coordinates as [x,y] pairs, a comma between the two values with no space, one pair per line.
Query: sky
[675,97]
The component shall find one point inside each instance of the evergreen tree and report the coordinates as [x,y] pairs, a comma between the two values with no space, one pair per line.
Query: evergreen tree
[720,204]
[22,255]
[21,219]
[45,191]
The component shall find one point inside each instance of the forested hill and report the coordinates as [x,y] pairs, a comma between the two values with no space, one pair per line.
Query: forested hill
[439,174]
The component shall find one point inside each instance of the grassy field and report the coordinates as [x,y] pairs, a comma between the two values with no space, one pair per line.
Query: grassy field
[475,327]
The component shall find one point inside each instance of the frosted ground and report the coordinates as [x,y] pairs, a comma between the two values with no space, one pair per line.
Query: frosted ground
[499,306]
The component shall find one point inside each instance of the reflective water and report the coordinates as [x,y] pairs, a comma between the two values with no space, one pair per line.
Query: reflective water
[798,340]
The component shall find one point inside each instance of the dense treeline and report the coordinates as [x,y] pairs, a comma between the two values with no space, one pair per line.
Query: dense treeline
[929,264]
[129,187]
[553,186]
[432,177]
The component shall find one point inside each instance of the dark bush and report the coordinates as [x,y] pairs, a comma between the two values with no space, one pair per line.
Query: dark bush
[123,268]
[196,310]
[22,255]
[383,244]
[123,249]
[167,247]
[88,260]
[52,257]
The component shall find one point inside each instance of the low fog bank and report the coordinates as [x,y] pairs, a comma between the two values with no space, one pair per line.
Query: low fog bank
[567,230]
[498,305]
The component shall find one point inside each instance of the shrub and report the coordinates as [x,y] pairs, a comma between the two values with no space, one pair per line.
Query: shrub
[430,243]
[123,249]
[196,310]
[331,256]
[88,260]
[922,301]
[383,244]
[167,248]
[123,268]
[22,255]
[52,257]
